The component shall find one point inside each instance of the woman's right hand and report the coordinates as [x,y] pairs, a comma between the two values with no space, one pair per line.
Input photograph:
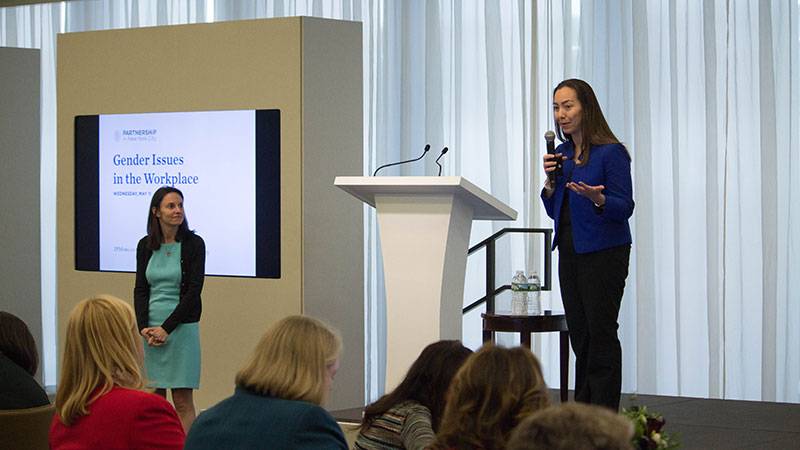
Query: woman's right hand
[550,164]
[551,160]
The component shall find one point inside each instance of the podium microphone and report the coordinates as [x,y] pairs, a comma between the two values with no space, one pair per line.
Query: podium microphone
[427,147]
[444,150]
[550,137]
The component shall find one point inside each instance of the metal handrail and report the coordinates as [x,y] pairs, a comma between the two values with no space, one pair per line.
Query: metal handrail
[489,243]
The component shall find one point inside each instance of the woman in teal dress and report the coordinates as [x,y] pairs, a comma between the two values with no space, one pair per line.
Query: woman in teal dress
[170,269]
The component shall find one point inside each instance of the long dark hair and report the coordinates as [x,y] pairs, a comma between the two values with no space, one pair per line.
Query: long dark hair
[17,343]
[425,383]
[594,128]
[154,234]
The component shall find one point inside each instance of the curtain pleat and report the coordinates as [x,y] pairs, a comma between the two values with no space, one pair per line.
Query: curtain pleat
[643,253]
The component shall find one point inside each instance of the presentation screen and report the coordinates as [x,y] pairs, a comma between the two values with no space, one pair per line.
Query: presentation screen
[226,163]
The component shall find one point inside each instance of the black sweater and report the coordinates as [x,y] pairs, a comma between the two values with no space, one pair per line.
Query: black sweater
[193,266]
[18,389]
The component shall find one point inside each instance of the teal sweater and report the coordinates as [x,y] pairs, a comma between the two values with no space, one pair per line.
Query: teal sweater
[250,421]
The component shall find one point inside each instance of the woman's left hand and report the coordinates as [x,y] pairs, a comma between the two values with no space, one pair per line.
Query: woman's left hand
[593,193]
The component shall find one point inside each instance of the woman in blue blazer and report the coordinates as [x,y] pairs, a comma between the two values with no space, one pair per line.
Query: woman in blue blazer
[279,394]
[590,202]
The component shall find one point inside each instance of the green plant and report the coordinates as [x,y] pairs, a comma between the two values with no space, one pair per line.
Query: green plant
[648,433]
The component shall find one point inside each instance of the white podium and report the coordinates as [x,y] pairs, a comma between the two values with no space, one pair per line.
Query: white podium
[424,223]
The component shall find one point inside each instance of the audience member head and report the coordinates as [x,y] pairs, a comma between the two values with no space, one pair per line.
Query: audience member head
[295,360]
[17,343]
[426,382]
[494,390]
[102,349]
[573,426]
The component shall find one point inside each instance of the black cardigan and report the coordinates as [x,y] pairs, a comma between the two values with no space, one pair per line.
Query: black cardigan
[193,267]
[18,389]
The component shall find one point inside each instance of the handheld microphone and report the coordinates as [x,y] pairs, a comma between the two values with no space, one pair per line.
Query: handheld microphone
[444,150]
[550,138]
[427,147]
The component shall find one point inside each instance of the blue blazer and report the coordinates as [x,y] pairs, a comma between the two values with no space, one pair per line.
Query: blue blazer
[249,421]
[594,228]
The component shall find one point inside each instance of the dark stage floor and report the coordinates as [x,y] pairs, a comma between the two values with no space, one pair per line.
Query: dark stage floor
[707,424]
[726,424]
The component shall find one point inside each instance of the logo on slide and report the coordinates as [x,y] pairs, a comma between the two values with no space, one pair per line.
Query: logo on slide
[135,135]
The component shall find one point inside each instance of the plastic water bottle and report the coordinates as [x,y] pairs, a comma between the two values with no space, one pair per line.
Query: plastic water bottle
[519,294]
[534,295]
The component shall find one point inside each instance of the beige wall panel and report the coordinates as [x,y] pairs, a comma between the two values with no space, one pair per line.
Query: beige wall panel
[333,251]
[229,65]
[20,154]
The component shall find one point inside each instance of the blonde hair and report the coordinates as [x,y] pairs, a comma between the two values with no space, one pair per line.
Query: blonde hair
[290,360]
[494,390]
[101,350]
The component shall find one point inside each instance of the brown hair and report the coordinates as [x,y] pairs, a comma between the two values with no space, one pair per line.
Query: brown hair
[594,128]
[290,360]
[102,349]
[426,382]
[494,390]
[573,426]
[17,343]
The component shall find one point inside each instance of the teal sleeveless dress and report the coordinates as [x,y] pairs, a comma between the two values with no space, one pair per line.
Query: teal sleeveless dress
[176,364]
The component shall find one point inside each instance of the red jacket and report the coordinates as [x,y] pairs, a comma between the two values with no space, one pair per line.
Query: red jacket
[121,419]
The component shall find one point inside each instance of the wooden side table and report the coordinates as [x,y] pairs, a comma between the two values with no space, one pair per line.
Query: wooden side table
[525,325]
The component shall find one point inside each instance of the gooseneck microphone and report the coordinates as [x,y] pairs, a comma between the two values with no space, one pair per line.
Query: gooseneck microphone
[427,147]
[444,150]
[550,137]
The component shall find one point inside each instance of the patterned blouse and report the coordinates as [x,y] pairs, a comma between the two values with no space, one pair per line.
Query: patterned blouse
[404,426]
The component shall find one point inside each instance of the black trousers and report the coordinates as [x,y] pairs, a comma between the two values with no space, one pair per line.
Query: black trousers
[591,289]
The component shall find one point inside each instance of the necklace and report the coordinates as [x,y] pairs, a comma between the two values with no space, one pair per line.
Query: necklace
[169,252]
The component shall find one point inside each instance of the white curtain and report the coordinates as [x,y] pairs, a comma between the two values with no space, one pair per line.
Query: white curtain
[706,95]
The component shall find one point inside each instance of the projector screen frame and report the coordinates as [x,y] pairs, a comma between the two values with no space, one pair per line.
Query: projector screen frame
[267,194]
